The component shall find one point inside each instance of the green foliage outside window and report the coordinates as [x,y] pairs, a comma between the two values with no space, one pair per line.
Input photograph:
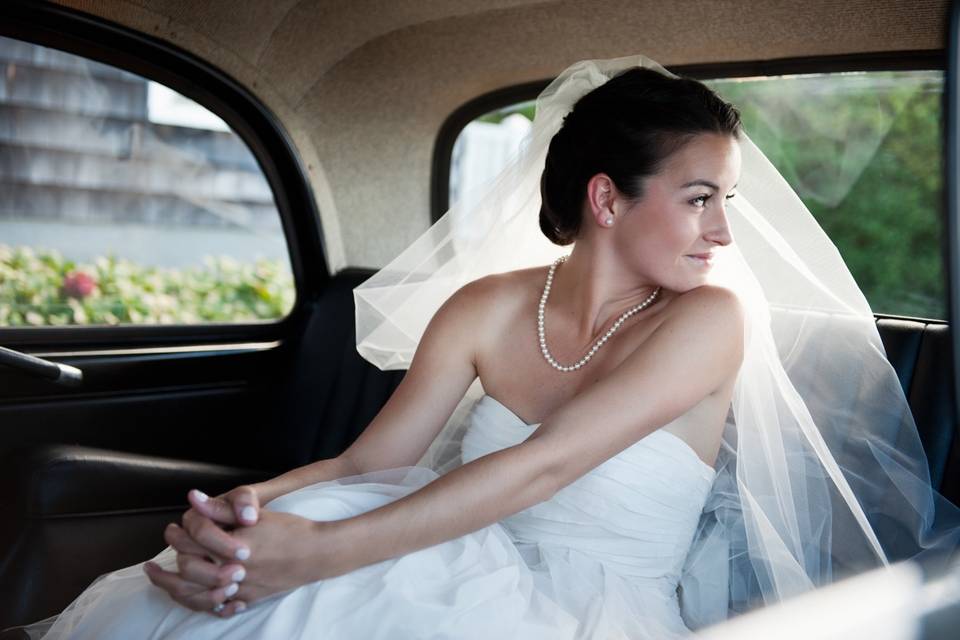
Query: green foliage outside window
[526,109]
[877,191]
[41,288]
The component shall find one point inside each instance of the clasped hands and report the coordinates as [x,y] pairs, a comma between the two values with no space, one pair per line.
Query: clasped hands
[230,553]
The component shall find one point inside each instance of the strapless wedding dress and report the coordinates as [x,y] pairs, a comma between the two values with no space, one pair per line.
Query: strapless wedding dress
[600,559]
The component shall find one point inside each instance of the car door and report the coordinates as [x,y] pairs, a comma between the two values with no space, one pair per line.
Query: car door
[157,235]
[134,244]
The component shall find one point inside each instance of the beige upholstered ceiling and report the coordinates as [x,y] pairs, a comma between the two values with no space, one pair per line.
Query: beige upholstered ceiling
[363,86]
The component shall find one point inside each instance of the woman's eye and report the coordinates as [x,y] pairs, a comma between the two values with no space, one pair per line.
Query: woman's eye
[700,201]
[731,195]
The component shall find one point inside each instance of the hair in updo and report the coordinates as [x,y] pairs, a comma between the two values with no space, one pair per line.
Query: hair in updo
[625,128]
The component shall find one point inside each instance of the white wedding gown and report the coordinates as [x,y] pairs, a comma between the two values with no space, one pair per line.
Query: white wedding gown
[600,559]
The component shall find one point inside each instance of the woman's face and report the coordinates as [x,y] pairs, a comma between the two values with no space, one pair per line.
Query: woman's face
[682,213]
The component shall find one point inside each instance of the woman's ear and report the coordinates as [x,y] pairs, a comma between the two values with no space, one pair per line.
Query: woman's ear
[601,192]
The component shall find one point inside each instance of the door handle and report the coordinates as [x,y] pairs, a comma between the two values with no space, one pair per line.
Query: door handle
[54,371]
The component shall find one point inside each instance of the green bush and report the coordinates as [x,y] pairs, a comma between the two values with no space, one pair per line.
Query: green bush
[39,287]
[886,217]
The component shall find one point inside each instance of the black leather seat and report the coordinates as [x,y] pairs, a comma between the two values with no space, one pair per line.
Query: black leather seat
[921,354]
[73,513]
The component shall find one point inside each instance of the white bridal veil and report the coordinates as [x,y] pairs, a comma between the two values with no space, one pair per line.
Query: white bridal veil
[821,473]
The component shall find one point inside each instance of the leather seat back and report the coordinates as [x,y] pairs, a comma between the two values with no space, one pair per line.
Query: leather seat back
[920,351]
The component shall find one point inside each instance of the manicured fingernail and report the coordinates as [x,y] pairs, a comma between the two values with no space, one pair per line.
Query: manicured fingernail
[240,607]
[239,575]
[243,553]
[200,495]
[231,590]
[249,513]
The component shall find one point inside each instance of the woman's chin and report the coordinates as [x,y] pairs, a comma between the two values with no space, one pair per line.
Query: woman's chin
[695,282]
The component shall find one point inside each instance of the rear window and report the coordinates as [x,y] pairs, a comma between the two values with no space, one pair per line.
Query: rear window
[862,150]
[124,202]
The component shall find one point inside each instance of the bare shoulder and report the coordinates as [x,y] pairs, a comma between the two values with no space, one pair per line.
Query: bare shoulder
[496,293]
[712,298]
[708,319]
[468,298]
[489,306]
[702,328]
[455,331]
[713,308]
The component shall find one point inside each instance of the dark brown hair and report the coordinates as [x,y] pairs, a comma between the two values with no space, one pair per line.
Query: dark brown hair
[625,128]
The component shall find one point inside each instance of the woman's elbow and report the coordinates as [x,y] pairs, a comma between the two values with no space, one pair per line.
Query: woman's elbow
[545,472]
[350,466]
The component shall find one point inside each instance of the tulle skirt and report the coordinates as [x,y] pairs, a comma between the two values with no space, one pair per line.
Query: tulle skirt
[481,585]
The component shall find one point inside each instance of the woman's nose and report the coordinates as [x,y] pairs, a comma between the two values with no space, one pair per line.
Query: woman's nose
[720,231]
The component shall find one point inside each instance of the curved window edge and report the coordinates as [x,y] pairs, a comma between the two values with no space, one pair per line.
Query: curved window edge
[82,34]
[507,96]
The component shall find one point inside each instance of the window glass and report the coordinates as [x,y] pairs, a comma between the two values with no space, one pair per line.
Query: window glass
[862,150]
[484,147]
[123,202]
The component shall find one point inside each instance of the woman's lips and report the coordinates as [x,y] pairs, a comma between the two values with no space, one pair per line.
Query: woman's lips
[702,259]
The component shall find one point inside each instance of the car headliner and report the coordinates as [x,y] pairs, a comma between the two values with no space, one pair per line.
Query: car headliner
[363,87]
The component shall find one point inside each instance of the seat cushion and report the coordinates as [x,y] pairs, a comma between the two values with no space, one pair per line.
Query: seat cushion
[74,513]
[920,351]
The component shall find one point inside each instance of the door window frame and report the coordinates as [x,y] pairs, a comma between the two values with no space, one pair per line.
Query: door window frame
[91,37]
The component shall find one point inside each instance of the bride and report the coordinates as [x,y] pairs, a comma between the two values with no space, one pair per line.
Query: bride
[647,433]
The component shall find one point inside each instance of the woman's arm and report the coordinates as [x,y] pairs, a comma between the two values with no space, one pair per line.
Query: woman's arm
[443,368]
[319,471]
[691,355]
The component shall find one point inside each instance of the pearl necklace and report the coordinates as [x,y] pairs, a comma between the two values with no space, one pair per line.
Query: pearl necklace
[616,325]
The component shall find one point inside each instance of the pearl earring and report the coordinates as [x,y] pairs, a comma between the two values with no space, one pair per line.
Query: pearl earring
[609,219]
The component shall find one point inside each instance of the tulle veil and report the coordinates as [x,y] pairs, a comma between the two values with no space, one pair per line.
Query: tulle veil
[821,473]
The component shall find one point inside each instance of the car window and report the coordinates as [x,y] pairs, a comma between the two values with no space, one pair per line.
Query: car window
[484,147]
[124,202]
[862,150]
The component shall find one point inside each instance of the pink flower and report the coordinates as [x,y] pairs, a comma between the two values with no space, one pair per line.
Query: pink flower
[77,284]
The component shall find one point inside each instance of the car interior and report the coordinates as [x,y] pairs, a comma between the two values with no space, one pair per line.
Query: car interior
[351,112]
